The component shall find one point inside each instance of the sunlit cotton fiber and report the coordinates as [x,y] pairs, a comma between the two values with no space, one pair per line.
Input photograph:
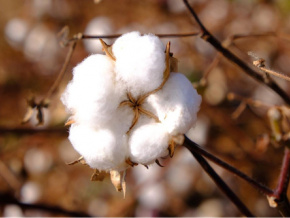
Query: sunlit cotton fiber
[102,149]
[148,143]
[113,126]
[140,62]
[176,104]
[91,96]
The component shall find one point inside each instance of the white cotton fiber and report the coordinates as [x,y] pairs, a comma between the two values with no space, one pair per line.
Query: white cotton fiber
[176,104]
[103,99]
[140,62]
[121,120]
[91,96]
[101,148]
[148,143]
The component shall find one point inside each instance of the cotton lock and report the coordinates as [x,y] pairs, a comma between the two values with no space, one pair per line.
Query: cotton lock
[127,107]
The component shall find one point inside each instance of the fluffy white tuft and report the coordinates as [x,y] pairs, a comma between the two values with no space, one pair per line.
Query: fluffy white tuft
[176,104]
[148,142]
[101,148]
[140,62]
[97,99]
[91,96]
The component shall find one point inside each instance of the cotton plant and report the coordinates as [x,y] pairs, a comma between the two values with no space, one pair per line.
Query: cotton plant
[129,106]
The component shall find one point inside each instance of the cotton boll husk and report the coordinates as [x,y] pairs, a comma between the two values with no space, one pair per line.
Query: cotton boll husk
[123,118]
[140,62]
[143,119]
[148,143]
[176,104]
[91,95]
[102,149]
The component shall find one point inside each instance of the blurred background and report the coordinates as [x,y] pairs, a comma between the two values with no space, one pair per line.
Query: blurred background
[34,177]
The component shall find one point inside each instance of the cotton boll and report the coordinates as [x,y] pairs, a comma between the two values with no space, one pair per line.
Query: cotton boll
[30,192]
[140,62]
[91,95]
[101,148]
[12,210]
[148,142]
[15,31]
[176,104]
[153,196]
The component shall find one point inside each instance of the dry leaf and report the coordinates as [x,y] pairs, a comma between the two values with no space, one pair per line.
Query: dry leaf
[98,175]
[118,180]
[108,50]
[80,160]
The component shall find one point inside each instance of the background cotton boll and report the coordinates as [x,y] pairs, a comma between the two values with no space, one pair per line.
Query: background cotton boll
[148,142]
[12,210]
[153,196]
[176,104]
[140,62]
[97,26]
[41,44]
[102,149]
[91,95]
[15,31]
[30,192]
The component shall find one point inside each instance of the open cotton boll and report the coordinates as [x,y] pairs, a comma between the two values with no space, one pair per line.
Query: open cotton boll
[91,96]
[148,142]
[102,149]
[176,104]
[140,62]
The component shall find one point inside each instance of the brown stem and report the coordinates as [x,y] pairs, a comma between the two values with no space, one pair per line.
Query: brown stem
[9,177]
[192,146]
[280,193]
[7,199]
[177,35]
[218,181]
[284,175]
[62,71]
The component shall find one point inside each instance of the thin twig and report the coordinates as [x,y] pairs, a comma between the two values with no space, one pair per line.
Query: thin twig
[173,35]
[218,181]
[207,36]
[29,131]
[9,177]
[6,198]
[258,35]
[274,73]
[284,175]
[249,101]
[280,192]
[196,148]
[204,80]
[55,85]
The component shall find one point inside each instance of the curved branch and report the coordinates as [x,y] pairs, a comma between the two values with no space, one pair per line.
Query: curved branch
[207,36]
[193,147]
[6,198]
[218,181]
